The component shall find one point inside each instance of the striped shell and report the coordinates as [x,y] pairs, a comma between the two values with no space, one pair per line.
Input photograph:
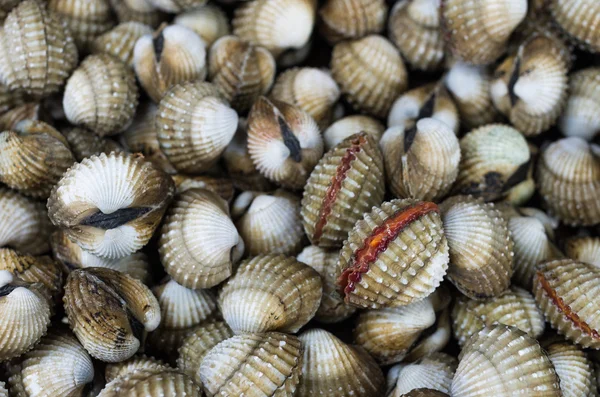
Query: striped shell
[579,20]
[432,372]
[351,19]
[580,117]
[350,125]
[209,22]
[176,6]
[85,143]
[574,369]
[222,186]
[120,41]
[434,340]
[26,111]
[584,249]
[137,11]
[135,363]
[424,392]
[152,382]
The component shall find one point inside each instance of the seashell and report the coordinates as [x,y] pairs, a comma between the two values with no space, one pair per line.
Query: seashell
[24,223]
[152,382]
[504,361]
[26,111]
[24,315]
[414,28]
[109,312]
[515,307]
[495,160]
[574,369]
[3,391]
[199,243]
[347,182]
[275,25]
[135,363]
[294,57]
[478,32]
[10,99]
[33,158]
[434,340]
[270,293]
[370,73]
[564,290]
[568,179]
[110,205]
[579,117]
[424,392]
[388,334]
[242,72]
[330,366]
[428,101]
[480,246]
[101,95]
[137,11]
[332,308]
[194,125]
[350,125]
[352,19]
[120,41]
[267,364]
[421,161]
[284,142]
[433,372]
[176,6]
[209,22]
[578,20]
[172,55]
[396,255]
[222,186]
[84,143]
[309,89]
[37,52]
[584,249]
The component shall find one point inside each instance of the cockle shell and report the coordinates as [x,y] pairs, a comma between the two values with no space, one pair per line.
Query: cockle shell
[6,7]
[370,73]
[26,111]
[396,255]
[579,117]
[347,182]
[110,205]
[578,20]
[424,392]
[176,6]
[120,41]
[584,249]
[574,369]
[10,99]
[222,186]
[199,243]
[137,11]
[434,340]
[209,22]
[135,363]
[350,125]
[152,382]
[85,143]
[433,372]
[352,19]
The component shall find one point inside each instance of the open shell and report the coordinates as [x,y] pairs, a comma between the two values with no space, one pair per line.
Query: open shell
[579,117]
[120,41]
[584,249]
[352,19]
[432,372]
[153,382]
[578,20]
[135,363]
[209,22]
[574,369]
[350,125]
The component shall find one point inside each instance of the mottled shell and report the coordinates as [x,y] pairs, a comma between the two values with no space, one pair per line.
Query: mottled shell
[574,369]
[503,361]
[37,52]
[350,125]
[85,143]
[198,242]
[120,41]
[370,73]
[432,372]
[152,382]
[584,249]
[352,19]
[222,186]
[568,179]
[209,22]
[578,19]
[137,11]
[396,255]
[110,205]
[270,293]
[101,95]
[580,117]
[135,363]
[422,161]
[347,182]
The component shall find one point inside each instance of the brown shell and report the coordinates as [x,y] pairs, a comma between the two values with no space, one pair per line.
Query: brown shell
[138,11]
[579,117]
[584,249]
[352,19]
[152,382]
[222,186]
[424,392]
[578,20]
[10,99]
[120,41]
[135,363]
[26,111]
[209,22]
[177,6]
[85,143]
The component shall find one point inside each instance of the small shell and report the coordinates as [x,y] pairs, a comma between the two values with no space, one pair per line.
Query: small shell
[370,73]
[37,52]
[284,142]
[194,125]
[433,372]
[172,55]
[26,111]
[350,125]
[152,382]
[329,364]
[110,205]
[176,6]
[33,158]
[352,19]
[574,369]
[85,143]
[568,179]
[580,117]
[396,255]
[241,71]
[578,20]
[199,243]
[565,291]
[135,363]
[421,161]
[137,11]
[109,312]
[120,41]
[209,22]
[270,293]
[222,186]
[101,95]
[503,361]
[584,249]
[266,365]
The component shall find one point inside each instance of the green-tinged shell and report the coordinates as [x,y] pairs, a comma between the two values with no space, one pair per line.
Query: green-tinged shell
[352,19]
[433,372]
[152,382]
[120,41]
[580,117]
[574,369]
[135,363]
[584,249]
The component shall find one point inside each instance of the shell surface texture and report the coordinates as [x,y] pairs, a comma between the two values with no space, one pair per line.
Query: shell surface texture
[579,118]
[352,19]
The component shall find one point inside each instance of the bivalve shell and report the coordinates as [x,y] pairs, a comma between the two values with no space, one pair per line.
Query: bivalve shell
[350,125]
[152,382]
[85,143]
[574,369]
[424,392]
[120,41]
[26,111]
[352,19]
[432,372]
[135,363]
[222,186]
[584,249]
[177,6]
[578,19]
[137,11]
[209,22]
[580,117]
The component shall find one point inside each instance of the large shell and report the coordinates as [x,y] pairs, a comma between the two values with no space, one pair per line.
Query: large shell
[109,312]
[577,18]
[101,95]
[194,125]
[432,372]
[350,125]
[584,249]
[396,255]
[421,161]
[503,361]
[270,293]
[199,243]
[580,117]
[37,52]
[152,382]
[574,369]
[347,182]
[120,41]
[209,22]
[85,143]
[110,205]
[370,73]
[138,362]
[352,19]
[568,179]
[137,11]
[283,141]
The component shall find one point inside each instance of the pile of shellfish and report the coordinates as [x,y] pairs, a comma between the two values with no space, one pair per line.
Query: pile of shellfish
[295,198]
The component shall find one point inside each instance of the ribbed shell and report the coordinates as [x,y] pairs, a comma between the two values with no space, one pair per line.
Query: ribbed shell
[37,52]
[10,99]
[135,363]
[432,372]
[331,367]
[568,179]
[421,162]
[101,95]
[198,242]
[26,111]
[370,73]
[410,255]
[120,41]
[222,186]
[154,382]
[347,182]
[580,117]
[350,125]
[194,126]
[423,392]
[85,143]
[270,293]
[503,361]
[434,340]
[579,20]
[584,249]
[177,6]
[574,369]
[565,291]
[181,307]
[209,22]
[352,19]
[257,365]
[137,11]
